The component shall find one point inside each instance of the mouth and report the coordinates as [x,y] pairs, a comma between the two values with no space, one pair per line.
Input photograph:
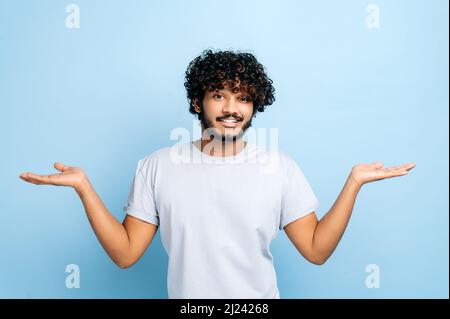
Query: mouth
[229,121]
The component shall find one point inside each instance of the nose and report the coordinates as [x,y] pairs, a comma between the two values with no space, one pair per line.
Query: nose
[230,106]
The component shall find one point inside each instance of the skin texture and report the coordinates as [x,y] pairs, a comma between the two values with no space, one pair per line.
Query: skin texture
[219,104]
[125,243]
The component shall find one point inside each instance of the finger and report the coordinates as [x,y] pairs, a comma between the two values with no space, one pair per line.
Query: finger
[410,166]
[402,168]
[370,165]
[24,176]
[60,167]
[394,173]
[407,165]
[394,168]
[40,179]
[30,177]
[377,164]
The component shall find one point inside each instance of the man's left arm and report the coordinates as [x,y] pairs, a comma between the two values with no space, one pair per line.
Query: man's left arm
[316,240]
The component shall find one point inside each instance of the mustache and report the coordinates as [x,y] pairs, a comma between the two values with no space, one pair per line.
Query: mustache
[238,118]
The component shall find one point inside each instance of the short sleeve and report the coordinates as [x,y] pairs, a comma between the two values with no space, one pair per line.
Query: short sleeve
[141,202]
[298,198]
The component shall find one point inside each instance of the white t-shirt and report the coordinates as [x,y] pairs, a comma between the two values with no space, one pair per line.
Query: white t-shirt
[218,215]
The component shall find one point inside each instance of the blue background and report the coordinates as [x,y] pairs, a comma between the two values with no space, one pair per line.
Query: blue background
[105,95]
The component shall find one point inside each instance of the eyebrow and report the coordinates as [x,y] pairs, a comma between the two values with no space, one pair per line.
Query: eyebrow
[223,91]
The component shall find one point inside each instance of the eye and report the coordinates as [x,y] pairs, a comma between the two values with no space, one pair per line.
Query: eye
[245,99]
[217,95]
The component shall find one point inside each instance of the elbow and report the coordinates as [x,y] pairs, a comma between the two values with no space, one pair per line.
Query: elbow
[124,260]
[123,264]
[319,261]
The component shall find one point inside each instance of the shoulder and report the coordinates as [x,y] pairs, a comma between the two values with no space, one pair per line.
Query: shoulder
[154,158]
[289,166]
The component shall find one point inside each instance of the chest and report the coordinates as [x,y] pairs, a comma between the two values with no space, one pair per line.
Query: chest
[219,197]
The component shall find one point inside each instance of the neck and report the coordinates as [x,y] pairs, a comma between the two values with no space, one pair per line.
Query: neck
[220,148]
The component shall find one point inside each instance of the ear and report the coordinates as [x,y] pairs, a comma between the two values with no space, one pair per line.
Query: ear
[196,107]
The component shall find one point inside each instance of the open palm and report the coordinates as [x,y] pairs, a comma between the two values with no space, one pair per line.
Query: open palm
[365,173]
[69,176]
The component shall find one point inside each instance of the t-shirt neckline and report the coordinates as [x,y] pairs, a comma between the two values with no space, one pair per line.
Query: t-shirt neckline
[219,159]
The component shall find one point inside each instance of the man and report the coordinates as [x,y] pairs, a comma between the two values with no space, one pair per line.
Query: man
[217,207]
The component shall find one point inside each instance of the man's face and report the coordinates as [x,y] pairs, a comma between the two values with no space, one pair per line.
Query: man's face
[229,114]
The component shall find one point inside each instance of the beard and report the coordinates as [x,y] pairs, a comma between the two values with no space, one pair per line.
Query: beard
[210,130]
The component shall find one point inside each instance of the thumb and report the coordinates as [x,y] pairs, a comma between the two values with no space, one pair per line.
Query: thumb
[377,164]
[60,167]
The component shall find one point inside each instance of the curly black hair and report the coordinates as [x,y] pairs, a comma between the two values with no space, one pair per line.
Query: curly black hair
[240,70]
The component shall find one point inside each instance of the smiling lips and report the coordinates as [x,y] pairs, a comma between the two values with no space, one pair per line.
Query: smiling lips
[229,121]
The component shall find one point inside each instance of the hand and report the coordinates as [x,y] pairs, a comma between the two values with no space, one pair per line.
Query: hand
[69,176]
[365,173]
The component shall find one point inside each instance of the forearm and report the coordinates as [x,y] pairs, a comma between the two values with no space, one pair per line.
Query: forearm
[331,227]
[109,231]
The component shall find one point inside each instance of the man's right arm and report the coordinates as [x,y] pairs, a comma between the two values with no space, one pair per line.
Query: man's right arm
[125,243]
